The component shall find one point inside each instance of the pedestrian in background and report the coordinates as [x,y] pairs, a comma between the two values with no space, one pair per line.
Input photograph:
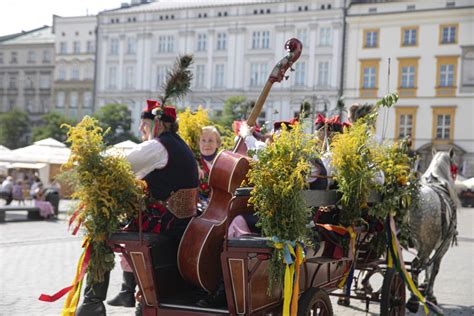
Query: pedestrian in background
[6,190]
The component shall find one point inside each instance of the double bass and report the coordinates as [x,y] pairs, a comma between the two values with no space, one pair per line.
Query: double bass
[202,242]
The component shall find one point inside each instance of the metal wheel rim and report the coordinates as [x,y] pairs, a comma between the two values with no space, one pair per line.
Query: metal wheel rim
[397,296]
[319,308]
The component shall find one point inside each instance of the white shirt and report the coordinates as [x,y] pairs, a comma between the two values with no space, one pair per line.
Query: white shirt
[147,156]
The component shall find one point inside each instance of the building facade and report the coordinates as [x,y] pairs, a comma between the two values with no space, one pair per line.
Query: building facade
[75,43]
[425,51]
[235,44]
[26,72]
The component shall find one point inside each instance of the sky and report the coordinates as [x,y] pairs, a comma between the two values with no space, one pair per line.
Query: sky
[18,15]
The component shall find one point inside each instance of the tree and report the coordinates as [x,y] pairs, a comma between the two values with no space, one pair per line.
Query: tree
[235,108]
[52,127]
[119,119]
[14,127]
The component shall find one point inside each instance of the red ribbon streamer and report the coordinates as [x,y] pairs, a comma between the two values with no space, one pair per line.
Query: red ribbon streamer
[62,292]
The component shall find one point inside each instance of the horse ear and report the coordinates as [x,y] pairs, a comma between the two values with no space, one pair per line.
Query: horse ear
[433,151]
[451,152]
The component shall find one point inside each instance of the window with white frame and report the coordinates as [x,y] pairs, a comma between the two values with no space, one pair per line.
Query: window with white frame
[201,42]
[31,56]
[88,99]
[112,77]
[46,56]
[166,44]
[219,75]
[405,127]
[409,37]
[89,72]
[12,81]
[161,72]
[114,46]
[76,47]
[61,73]
[325,36]
[90,46]
[369,77]
[300,73]
[258,74]
[45,81]
[60,98]
[131,46]
[13,57]
[221,41]
[443,126]
[323,73]
[446,75]
[448,35]
[302,35]
[371,39]
[266,39]
[63,47]
[75,73]
[170,43]
[73,99]
[260,39]
[29,82]
[129,77]
[200,75]
[408,77]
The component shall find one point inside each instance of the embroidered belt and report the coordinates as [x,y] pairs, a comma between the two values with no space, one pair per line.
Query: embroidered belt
[183,203]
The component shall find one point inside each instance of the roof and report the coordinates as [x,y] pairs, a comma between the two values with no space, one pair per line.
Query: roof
[163,5]
[3,148]
[47,150]
[40,35]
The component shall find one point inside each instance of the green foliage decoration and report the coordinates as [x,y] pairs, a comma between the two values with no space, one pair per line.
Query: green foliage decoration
[278,177]
[14,126]
[117,118]
[52,127]
[106,188]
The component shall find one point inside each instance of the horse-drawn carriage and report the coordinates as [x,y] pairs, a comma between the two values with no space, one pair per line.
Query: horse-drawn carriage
[244,262]
[172,276]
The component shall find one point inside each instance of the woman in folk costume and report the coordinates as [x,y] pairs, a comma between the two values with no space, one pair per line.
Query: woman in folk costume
[209,143]
[167,165]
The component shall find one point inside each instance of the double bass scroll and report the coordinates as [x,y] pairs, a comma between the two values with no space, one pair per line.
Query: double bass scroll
[202,242]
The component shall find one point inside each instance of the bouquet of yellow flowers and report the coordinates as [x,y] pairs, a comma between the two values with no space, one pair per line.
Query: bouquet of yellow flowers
[106,188]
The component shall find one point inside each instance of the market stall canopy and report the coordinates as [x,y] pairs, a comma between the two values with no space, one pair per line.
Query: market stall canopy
[3,148]
[122,148]
[47,150]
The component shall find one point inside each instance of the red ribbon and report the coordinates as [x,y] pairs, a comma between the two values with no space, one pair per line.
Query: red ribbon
[61,293]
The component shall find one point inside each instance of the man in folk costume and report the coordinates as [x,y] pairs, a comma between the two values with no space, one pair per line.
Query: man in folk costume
[167,165]
[151,220]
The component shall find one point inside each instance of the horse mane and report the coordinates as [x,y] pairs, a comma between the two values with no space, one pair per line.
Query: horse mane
[440,168]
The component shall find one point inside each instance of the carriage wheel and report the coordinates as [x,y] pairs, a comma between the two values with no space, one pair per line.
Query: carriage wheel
[393,298]
[315,302]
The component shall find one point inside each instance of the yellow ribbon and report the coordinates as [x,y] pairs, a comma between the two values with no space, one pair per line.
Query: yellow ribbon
[408,278]
[296,288]
[72,299]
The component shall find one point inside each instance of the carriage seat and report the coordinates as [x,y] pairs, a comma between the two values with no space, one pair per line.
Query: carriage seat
[249,241]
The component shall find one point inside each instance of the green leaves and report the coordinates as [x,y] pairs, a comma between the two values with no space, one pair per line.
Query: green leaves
[14,127]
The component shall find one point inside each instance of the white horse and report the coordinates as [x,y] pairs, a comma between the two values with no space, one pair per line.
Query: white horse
[433,223]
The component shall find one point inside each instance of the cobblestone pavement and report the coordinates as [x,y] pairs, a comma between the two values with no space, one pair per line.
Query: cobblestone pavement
[40,257]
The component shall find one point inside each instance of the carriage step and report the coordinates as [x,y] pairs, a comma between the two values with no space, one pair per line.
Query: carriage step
[195,308]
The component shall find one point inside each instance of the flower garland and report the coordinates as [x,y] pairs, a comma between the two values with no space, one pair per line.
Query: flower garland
[107,189]
[277,197]
[190,125]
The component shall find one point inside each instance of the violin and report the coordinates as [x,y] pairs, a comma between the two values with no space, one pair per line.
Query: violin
[202,242]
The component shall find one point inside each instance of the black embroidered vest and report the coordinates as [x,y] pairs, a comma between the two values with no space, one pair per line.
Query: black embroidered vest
[180,172]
